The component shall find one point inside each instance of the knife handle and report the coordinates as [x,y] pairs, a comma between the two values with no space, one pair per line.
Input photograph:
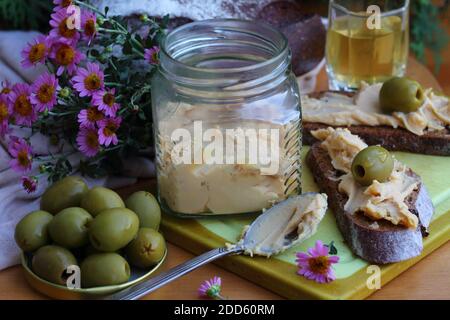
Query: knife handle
[145,287]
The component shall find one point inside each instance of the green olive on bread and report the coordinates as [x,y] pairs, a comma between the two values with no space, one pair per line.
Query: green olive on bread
[401,95]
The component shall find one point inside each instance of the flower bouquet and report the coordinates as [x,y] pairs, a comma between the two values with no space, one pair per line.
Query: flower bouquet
[93,97]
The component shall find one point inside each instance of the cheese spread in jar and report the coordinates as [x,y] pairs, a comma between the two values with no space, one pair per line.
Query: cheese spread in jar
[226,112]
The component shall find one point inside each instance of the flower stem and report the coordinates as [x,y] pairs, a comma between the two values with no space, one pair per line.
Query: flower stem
[113,84]
[120,145]
[139,53]
[119,25]
[60,114]
[86,5]
[112,31]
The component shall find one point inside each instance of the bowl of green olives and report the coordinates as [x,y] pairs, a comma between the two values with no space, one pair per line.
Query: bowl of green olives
[58,291]
[85,243]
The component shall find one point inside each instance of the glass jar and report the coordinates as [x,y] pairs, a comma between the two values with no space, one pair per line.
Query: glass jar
[227,119]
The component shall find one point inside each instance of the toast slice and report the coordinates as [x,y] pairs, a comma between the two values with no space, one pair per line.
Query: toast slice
[393,139]
[378,242]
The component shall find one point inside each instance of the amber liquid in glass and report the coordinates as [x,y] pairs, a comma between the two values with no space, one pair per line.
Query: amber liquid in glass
[356,53]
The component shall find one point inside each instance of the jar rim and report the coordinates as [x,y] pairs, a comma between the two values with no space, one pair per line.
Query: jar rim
[282,50]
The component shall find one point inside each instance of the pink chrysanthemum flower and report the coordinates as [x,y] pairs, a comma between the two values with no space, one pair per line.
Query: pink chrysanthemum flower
[317,264]
[6,88]
[89,80]
[44,92]
[29,184]
[21,152]
[108,129]
[211,288]
[66,57]
[61,4]
[20,106]
[87,141]
[63,28]
[151,55]
[88,25]
[4,115]
[90,117]
[106,101]
[36,52]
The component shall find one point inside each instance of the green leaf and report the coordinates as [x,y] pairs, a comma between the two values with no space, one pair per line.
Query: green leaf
[331,248]
[165,21]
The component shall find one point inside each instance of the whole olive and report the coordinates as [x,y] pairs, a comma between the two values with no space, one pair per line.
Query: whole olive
[104,269]
[99,199]
[50,263]
[401,95]
[113,229]
[69,228]
[372,163]
[145,205]
[147,249]
[63,194]
[32,231]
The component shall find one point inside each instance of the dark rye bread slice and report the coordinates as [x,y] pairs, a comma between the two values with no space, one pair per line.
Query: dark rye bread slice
[381,242]
[394,139]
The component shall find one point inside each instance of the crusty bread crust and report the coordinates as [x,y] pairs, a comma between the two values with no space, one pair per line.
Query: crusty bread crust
[394,139]
[378,242]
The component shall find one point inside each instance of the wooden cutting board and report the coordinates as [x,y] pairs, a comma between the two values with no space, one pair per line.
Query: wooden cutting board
[279,273]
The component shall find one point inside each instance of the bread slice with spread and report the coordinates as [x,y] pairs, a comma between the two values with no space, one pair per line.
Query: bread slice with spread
[382,222]
[424,130]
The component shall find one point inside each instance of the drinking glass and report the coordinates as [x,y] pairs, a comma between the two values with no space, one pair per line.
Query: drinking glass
[366,41]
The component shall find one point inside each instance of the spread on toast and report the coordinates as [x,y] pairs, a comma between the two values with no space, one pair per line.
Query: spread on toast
[340,109]
[379,200]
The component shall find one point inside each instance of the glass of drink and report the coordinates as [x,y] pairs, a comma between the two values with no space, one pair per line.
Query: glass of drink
[366,41]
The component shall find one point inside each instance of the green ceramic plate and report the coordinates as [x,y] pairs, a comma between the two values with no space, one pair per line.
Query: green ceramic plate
[61,292]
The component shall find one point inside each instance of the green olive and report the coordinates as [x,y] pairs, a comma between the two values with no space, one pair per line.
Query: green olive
[372,163]
[145,205]
[401,95]
[32,231]
[50,263]
[63,194]
[99,199]
[147,249]
[104,269]
[113,229]
[69,228]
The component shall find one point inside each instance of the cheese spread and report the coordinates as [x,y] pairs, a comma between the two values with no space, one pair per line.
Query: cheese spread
[284,225]
[380,200]
[336,109]
[206,186]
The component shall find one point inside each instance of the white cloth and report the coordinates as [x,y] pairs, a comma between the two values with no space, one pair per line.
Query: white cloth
[14,201]
[194,9]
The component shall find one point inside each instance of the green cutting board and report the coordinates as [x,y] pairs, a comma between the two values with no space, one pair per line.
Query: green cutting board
[279,272]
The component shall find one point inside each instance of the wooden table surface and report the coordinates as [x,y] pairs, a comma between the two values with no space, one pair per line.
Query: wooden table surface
[428,279]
